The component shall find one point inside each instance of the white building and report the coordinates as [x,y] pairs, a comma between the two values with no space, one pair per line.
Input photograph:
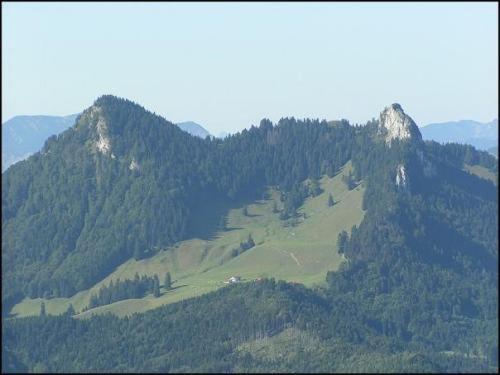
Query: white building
[234,279]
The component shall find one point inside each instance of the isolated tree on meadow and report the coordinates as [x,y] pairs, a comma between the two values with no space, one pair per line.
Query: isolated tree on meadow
[330,200]
[42,309]
[250,241]
[168,281]
[156,286]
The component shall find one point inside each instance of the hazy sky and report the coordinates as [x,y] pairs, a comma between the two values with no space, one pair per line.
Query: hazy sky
[228,65]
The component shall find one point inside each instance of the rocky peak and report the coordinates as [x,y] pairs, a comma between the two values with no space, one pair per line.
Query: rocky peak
[395,124]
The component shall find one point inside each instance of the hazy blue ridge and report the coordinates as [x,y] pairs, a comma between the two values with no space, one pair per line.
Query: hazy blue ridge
[194,129]
[25,135]
[480,135]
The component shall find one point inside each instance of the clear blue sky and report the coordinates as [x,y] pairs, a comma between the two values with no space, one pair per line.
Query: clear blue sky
[228,65]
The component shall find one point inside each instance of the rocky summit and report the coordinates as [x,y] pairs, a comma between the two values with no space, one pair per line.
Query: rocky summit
[395,124]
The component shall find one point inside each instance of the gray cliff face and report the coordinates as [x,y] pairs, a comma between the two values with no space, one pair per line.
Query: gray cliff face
[395,124]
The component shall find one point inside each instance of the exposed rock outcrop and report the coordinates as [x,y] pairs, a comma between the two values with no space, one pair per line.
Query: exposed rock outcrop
[401,178]
[395,124]
[100,142]
[134,166]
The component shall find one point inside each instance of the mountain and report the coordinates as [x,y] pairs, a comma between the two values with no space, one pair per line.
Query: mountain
[480,135]
[126,193]
[194,129]
[25,135]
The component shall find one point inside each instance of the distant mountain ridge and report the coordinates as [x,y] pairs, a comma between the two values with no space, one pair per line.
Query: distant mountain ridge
[25,135]
[194,129]
[480,135]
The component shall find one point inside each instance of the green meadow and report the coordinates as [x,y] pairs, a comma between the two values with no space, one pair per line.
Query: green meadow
[298,250]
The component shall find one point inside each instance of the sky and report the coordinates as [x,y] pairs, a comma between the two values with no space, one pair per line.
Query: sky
[228,65]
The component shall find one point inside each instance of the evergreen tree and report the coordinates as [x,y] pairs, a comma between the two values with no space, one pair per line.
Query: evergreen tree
[245,211]
[342,242]
[156,286]
[71,310]
[248,244]
[250,241]
[330,200]
[168,281]
[42,309]
[349,180]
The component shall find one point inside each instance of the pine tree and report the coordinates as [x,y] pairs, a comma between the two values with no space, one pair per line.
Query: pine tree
[42,309]
[71,310]
[156,286]
[250,241]
[342,242]
[168,281]
[349,181]
[330,200]
[245,211]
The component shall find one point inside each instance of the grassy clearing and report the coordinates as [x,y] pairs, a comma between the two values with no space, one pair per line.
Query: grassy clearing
[282,347]
[301,252]
[481,172]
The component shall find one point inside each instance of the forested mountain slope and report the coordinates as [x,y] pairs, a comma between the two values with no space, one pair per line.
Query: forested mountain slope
[123,182]
[418,291]
[299,249]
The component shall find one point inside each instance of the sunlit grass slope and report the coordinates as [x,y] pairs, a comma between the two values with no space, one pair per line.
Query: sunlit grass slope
[299,250]
[482,172]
